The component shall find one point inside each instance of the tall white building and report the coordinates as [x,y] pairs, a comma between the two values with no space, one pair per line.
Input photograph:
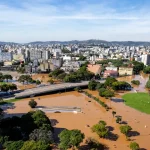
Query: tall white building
[146,59]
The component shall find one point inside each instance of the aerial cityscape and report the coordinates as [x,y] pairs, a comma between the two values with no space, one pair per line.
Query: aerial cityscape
[74,75]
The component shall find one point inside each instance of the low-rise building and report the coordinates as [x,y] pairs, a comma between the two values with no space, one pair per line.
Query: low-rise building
[111,68]
[70,66]
[125,71]
[96,69]
[110,73]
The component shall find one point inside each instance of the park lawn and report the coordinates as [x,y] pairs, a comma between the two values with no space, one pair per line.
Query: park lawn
[139,101]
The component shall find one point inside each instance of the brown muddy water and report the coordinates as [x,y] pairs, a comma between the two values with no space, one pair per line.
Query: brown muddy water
[91,114]
[143,78]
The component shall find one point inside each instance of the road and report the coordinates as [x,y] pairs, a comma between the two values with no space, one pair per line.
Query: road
[51,88]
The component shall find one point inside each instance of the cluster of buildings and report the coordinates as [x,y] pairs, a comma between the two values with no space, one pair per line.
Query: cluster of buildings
[49,57]
[110,71]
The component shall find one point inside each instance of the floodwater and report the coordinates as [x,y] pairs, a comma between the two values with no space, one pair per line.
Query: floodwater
[43,78]
[91,114]
[143,78]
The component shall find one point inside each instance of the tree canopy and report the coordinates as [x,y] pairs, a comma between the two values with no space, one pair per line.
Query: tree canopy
[70,138]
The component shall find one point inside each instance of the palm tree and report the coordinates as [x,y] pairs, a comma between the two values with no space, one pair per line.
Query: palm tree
[113,113]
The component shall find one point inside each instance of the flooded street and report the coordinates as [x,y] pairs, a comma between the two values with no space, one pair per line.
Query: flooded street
[142,78]
[90,114]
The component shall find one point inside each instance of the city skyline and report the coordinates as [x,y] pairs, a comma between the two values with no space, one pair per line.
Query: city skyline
[62,20]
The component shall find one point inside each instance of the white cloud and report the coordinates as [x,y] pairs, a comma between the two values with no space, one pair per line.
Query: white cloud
[43,21]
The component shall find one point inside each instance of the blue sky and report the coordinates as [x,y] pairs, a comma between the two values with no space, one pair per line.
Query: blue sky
[44,20]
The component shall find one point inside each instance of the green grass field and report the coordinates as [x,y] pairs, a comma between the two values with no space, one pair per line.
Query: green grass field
[139,101]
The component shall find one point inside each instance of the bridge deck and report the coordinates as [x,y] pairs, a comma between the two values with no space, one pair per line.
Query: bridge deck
[49,88]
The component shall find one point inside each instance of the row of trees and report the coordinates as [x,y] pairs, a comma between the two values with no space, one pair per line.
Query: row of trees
[107,89]
[5,87]
[28,79]
[103,104]
[5,77]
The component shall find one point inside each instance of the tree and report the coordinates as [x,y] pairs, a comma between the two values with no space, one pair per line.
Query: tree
[12,87]
[70,138]
[109,81]
[94,144]
[146,69]
[14,145]
[57,72]
[78,89]
[134,146]
[64,139]
[61,76]
[51,81]
[32,145]
[92,85]
[82,58]
[113,113]
[40,120]
[43,135]
[1,99]
[1,77]
[38,82]
[35,120]
[4,87]
[100,85]
[106,93]
[32,103]
[148,84]
[76,138]
[7,77]
[1,113]
[125,129]
[102,122]
[137,67]
[136,82]
[121,85]
[118,119]
[25,78]
[101,130]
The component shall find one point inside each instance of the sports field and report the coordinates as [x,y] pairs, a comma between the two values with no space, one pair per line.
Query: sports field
[139,101]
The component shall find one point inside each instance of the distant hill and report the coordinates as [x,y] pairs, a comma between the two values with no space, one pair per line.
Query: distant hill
[11,43]
[92,41]
[88,42]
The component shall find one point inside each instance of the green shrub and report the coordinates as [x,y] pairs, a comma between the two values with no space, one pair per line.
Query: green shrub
[136,82]
[32,103]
